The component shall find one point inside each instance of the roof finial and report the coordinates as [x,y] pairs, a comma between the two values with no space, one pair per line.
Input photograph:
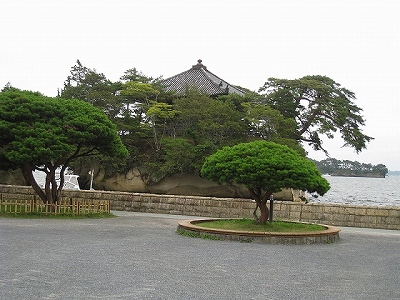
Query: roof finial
[199,65]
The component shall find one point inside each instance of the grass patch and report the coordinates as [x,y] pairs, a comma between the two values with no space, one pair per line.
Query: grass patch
[252,225]
[197,235]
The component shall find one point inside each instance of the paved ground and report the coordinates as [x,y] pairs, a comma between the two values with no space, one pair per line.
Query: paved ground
[139,256]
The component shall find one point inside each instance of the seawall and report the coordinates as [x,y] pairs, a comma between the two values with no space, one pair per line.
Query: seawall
[330,214]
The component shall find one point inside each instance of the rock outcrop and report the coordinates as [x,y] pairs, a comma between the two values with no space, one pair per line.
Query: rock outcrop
[183,184]
[177,184]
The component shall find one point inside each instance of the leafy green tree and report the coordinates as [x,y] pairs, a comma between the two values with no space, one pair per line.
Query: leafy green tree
[139,92]
[87,84]
[42,133]
[126,104]
[265,122]
[320,106]
[162,114]
[268,123]
[204,119]
[132,75]
[191,129]
[264,168]
[179,156]
[138,97]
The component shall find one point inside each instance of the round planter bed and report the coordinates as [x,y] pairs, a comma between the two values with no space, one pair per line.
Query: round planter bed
[327,236]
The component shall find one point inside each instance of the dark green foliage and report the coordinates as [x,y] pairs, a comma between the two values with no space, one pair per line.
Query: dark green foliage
[182,156]
[264,165]
[133,75]
[93,87]
[39,129]
[42,133]
[264,168]
[320,106]
[202,118]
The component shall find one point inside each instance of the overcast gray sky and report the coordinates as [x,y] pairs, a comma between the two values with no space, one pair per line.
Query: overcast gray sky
[356,43]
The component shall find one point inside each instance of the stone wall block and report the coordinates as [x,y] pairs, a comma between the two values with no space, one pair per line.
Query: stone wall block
[377,212]
[393,221]
[394,213]
[307,209]
[249,205]
[282,213]
[370,219]
[335,218]
[312,208]
[359,211]
[295,215]
[292,206]
[331,209]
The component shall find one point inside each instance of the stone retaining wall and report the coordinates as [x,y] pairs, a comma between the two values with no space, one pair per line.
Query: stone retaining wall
[330,214]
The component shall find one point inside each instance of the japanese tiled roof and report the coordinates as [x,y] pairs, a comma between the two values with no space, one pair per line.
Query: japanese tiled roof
[199,78]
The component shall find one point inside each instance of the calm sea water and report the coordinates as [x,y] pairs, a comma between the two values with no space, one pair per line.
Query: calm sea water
[362,191]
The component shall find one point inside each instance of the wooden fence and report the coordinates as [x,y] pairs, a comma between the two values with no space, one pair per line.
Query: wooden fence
[62,207]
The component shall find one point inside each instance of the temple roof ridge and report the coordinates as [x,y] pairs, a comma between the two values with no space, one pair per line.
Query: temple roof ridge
[201,78]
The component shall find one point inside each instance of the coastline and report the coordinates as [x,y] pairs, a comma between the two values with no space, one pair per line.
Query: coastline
[358,175]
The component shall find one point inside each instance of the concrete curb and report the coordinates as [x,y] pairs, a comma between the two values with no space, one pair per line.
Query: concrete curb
[330,235]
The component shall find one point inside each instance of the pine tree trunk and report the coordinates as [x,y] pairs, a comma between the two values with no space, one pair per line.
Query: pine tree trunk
[261,201]
[264,213]
[28,175]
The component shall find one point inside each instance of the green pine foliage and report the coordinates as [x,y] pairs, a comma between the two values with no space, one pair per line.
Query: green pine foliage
[264,168]
[263,165]
[43,133]
[321,107]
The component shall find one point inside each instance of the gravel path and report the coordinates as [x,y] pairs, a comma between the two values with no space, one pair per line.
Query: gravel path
[139,256]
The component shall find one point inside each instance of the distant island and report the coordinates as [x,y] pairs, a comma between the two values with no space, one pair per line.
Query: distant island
[349,168]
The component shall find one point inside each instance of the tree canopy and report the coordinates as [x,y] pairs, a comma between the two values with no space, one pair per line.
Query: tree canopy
[43,133]
[264,168]
[91,86]
[320,106]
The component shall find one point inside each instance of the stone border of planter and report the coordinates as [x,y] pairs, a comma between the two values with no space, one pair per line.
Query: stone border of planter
[330,235]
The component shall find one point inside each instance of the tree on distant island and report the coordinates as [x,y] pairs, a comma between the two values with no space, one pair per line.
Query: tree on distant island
[264,168]
[43,133]
[336,167]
